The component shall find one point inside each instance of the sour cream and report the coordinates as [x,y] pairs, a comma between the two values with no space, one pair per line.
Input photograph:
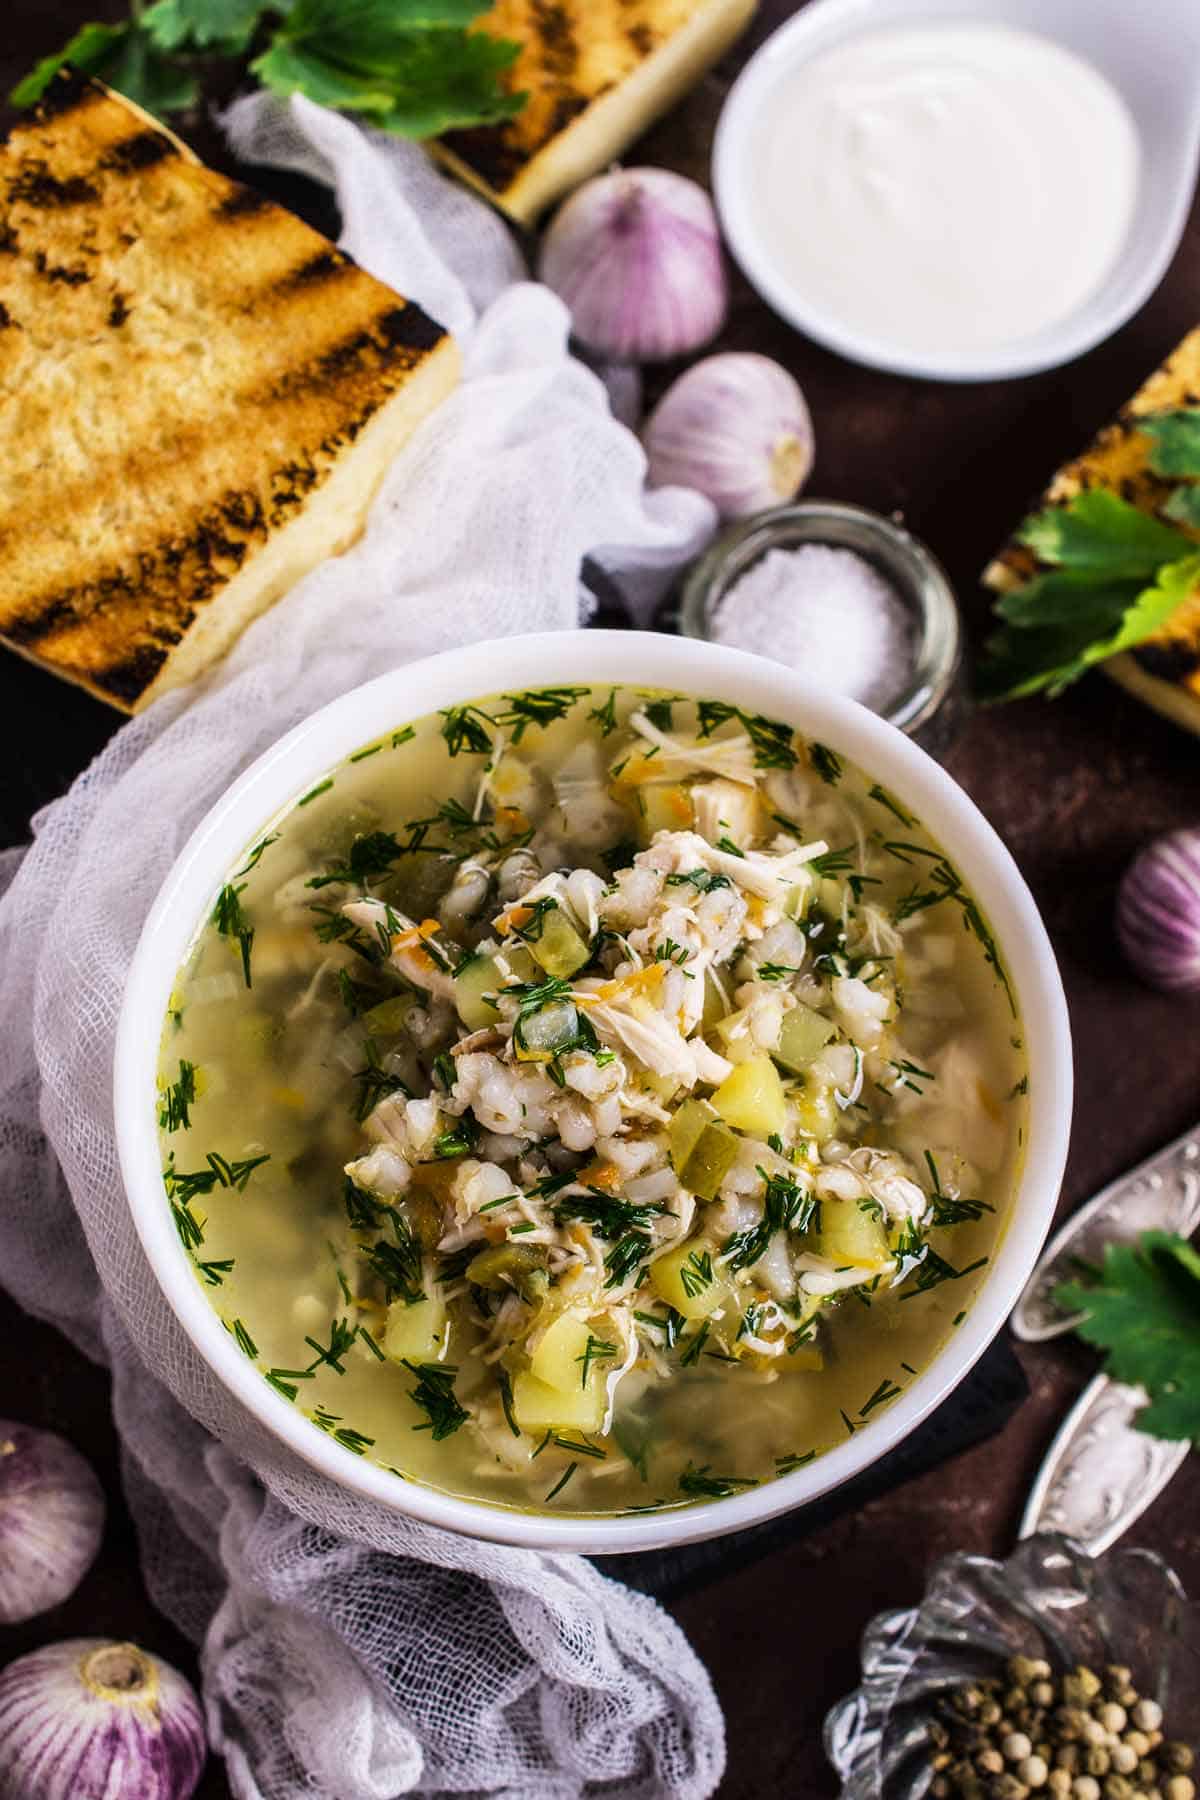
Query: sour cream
[945,186]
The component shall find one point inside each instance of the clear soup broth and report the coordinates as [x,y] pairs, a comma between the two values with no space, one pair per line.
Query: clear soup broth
[592,1100]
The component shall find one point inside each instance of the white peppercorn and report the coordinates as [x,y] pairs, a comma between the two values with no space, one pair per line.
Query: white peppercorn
[1114,1718]
[1085,1787]
[1016,1747]
[1138,1742]
[1042,1693]
[1180,1787]
[1093,1732]
[1058,1783]
[1124,1758]
[1147,1715]
[1033,1771]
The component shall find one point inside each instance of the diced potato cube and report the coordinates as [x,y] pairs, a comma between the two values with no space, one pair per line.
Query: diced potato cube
[689,1280]
[539,1407]
[664,807]
[414,1333]
[804,1035]
[558,1358]
[752,1098]
[816,1110]
[474,979]
[727,809]
[852,1235]
[558,948]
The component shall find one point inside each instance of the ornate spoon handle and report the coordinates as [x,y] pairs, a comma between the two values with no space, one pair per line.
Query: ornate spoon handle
[1100,1473]
[1163,1193]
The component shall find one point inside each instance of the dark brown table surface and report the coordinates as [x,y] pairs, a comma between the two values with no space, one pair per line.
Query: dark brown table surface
[1073,786]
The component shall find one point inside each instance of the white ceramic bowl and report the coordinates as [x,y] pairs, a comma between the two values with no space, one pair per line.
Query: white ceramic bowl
[555,659]
[1126,43]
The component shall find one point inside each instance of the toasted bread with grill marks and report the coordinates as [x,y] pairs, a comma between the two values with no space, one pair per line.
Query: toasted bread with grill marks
[597,73]
[199,397]
[1165,670]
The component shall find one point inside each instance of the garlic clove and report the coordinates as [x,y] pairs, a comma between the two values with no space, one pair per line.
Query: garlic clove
[737,428]
[51,1521]
[90,1720]
[1158,911]
[636,257]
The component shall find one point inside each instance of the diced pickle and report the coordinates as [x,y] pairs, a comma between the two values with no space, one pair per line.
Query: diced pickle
[538,1407]
[519,1266]
[664,807]
[473,980]
[815,1109]
[852,1235]
[751,1099]
[415,1331]
[687,1122]
[387,1019]
[546,1033]
[715,1008]
[561,1355]
[688,1279]
[804,1035]
[558,947]
[709,1161]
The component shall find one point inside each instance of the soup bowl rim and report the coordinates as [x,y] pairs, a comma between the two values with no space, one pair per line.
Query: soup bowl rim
[290,768]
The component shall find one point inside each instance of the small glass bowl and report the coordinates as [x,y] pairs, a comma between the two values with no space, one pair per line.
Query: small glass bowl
[1050,1599]
[929,698]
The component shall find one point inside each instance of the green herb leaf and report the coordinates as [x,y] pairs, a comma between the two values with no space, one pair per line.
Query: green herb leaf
[1176,437]
[224,25]
[124,57]
[1103,535]
[410,65]
[1143,1308]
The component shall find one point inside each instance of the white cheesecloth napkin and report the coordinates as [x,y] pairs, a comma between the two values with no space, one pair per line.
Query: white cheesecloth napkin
[348,1653]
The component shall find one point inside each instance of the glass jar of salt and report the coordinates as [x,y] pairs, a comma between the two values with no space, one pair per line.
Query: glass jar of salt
[845,597]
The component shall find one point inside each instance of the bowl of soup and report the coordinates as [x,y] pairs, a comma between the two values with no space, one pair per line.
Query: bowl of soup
[593,1091]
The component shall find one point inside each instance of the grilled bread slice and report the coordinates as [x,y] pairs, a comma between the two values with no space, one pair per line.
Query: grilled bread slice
[597,73]
[199,397]
[1165,670]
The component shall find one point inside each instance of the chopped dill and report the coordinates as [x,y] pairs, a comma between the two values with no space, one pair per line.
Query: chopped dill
[696,1273]
[398,1265]
[583,1448]
[773,971]
[660,714]
[884,799]
[784,1465]
[255,856]
[434,1394]
[671,1325]
[561,1483]
[213,1273]
[703,1484]
[465,728]
[832,862]
[887,1390]
[177,1098]
[345,1435]
[703,880]
[595,1350]
[231,922]
[826,763]
[606,715]
[504,1383]
[689,1356]
[322,787]
[244,1341]
[373,1083]
[538,706]
[341,1338]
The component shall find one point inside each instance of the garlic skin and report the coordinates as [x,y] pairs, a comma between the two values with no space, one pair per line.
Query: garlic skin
[94,1720]
[737,428]
[636,257]
[51,1521]
[1158,912]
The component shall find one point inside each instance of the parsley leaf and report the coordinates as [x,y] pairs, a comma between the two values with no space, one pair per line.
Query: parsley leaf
[411,66]
[1112,573]
[1143,1308]
[126,58]
[226,25]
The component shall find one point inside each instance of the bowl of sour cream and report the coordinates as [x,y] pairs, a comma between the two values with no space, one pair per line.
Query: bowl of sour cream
[960,192]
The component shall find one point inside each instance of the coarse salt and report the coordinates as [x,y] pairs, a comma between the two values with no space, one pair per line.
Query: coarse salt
[828,614]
